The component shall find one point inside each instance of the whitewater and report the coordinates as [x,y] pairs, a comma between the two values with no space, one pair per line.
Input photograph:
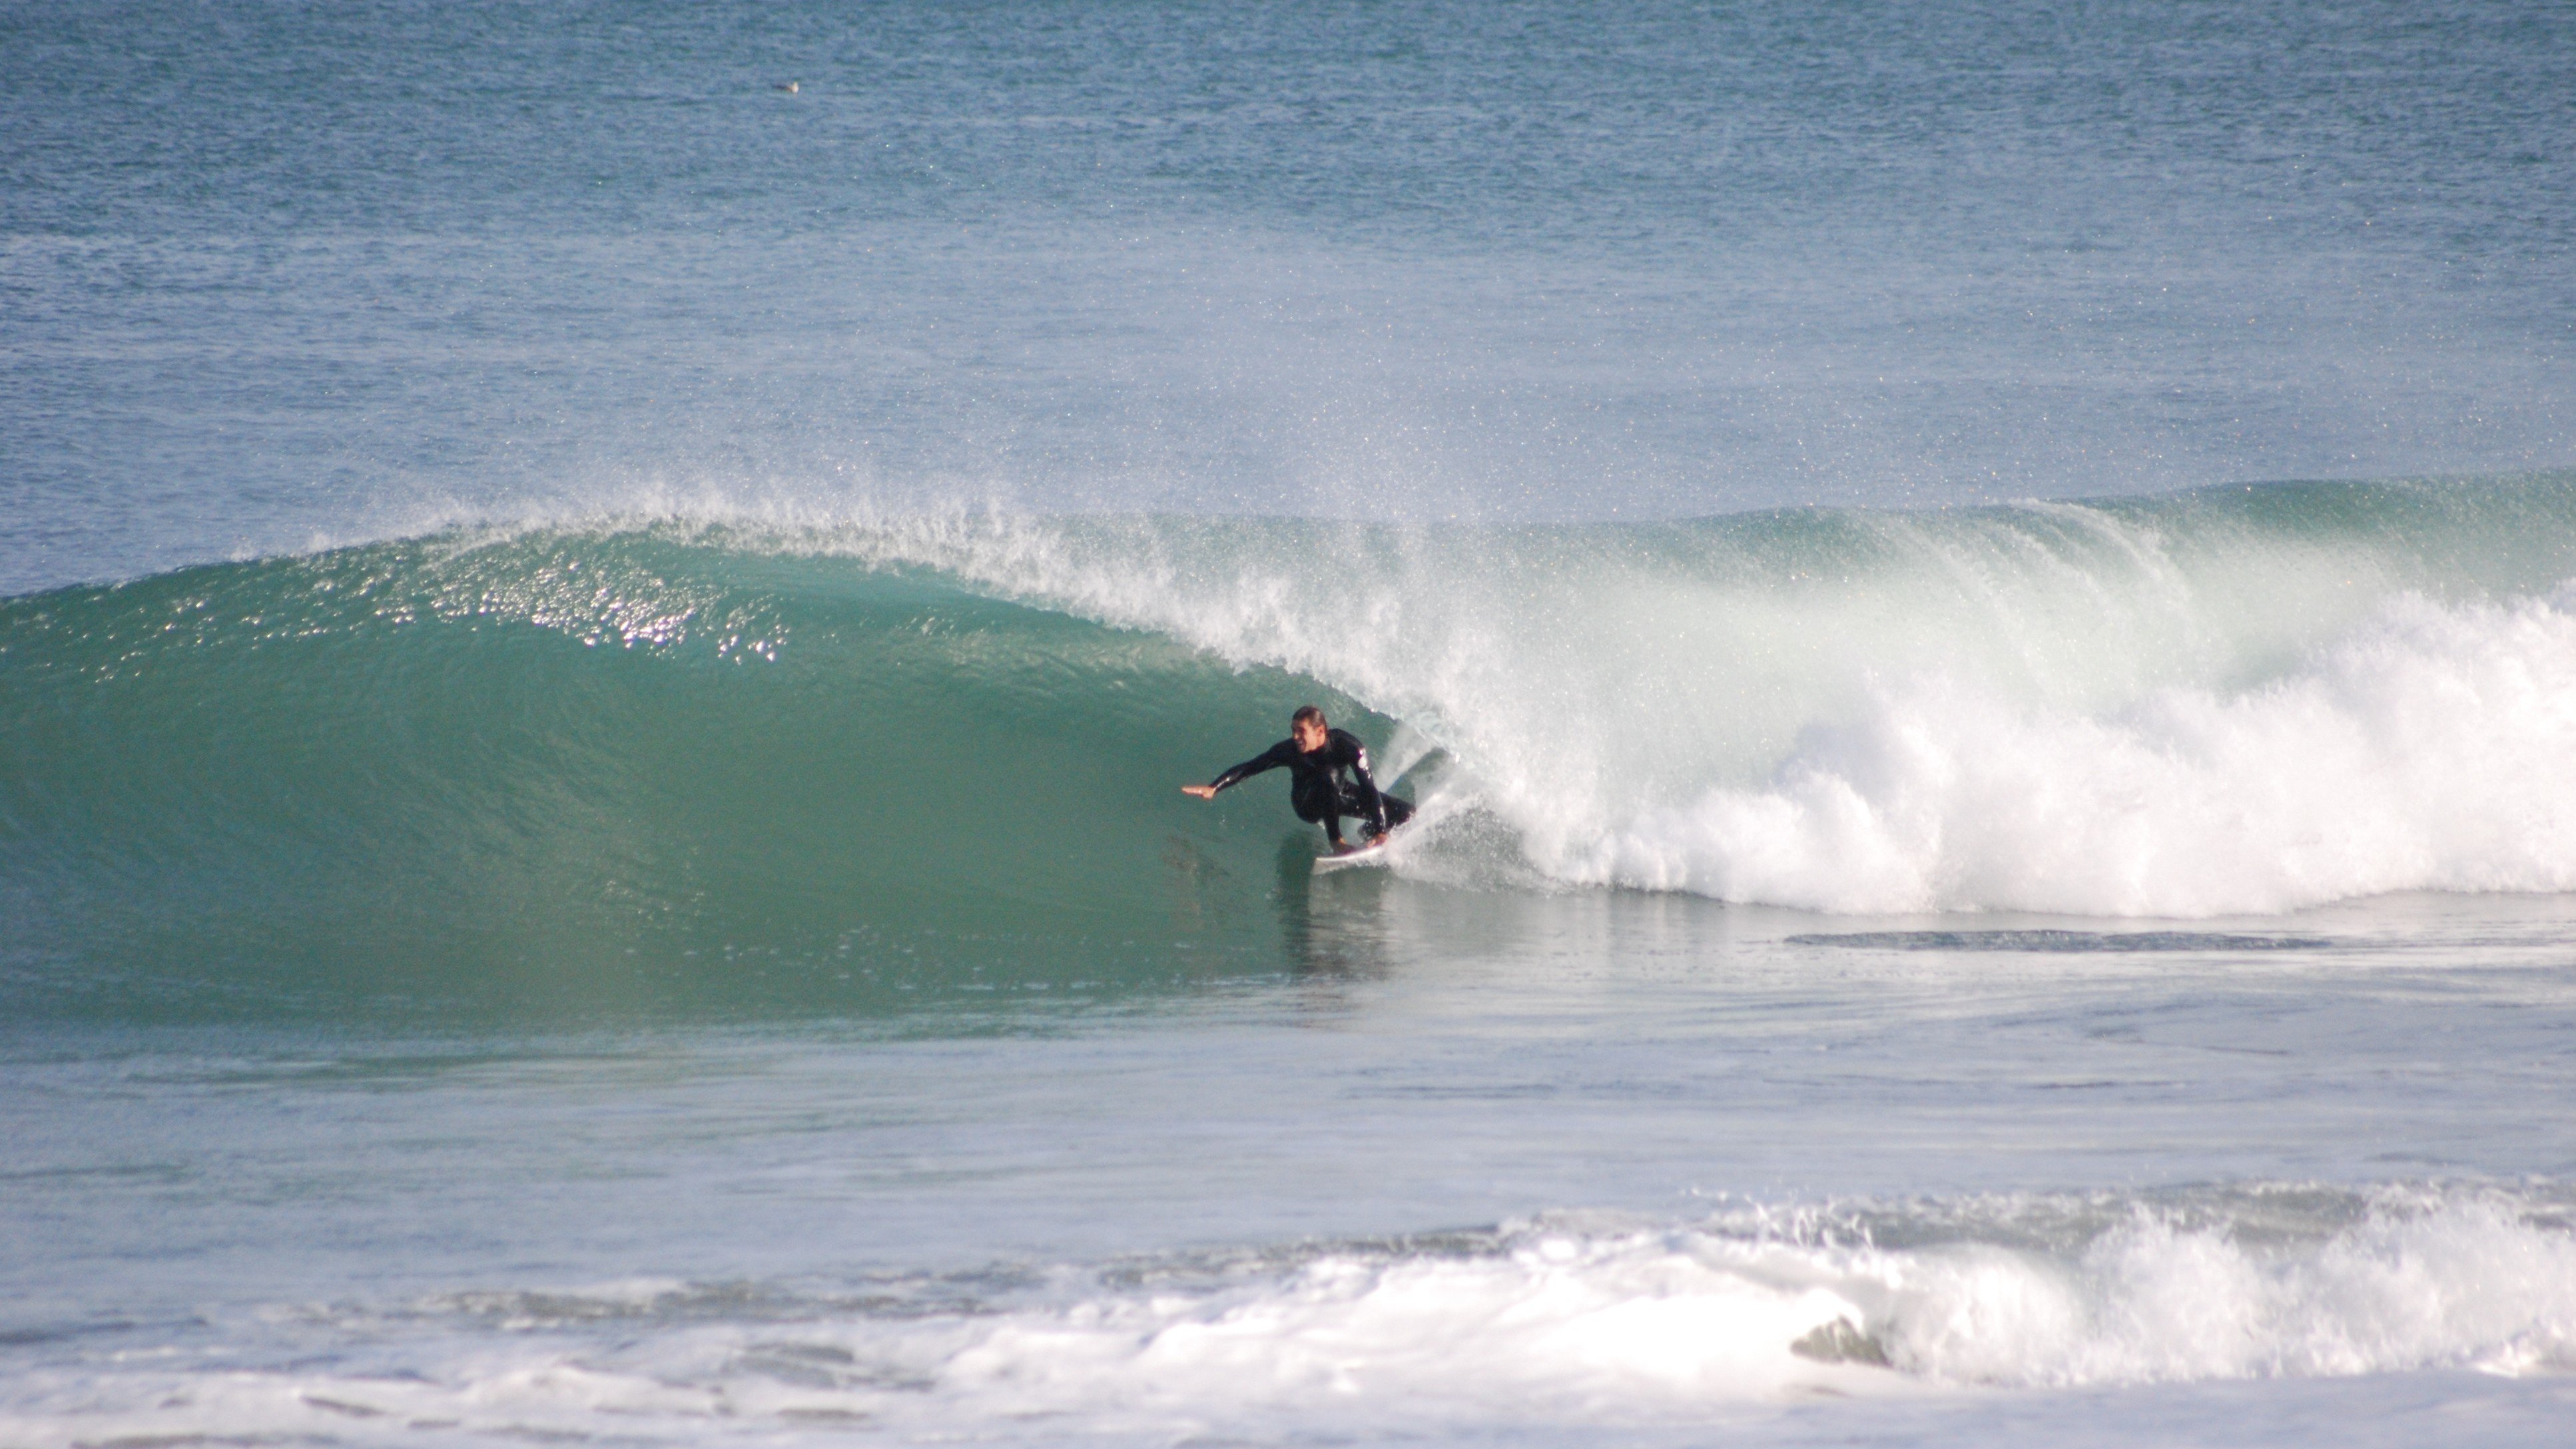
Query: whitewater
[603,610]
[1540,1324]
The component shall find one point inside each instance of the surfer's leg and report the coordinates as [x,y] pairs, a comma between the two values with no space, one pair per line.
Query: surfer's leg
[1319,808]
[1362,804]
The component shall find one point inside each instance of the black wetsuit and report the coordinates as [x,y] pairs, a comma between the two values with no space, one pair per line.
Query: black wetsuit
[1327,785]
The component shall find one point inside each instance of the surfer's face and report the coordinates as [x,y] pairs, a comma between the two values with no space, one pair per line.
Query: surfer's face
[1309,737]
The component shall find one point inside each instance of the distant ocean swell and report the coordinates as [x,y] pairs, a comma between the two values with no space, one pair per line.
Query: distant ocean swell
[891,754]
[1585,1319]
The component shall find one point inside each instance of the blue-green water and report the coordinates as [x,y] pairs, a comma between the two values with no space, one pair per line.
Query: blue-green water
[602,609]
[277,271]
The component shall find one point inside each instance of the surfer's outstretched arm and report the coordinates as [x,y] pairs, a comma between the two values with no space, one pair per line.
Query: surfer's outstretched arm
[1269,759]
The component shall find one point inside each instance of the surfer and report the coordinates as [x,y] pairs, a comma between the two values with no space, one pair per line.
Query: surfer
[1328,778]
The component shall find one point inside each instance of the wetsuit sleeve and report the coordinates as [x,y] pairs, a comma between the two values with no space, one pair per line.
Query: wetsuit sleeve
[1368,785]
[1269,759]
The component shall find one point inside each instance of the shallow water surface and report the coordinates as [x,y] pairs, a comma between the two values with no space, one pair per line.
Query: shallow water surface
[1629,1162]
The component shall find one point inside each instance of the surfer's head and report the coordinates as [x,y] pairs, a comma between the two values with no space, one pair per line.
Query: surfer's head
[1307,728]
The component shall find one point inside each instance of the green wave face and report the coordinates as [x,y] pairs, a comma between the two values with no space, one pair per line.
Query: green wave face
[719,766]
[607,776]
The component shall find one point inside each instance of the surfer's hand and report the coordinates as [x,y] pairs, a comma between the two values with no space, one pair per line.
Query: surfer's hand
[1204,792]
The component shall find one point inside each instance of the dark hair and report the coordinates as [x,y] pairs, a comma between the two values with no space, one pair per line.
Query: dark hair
[1306,714]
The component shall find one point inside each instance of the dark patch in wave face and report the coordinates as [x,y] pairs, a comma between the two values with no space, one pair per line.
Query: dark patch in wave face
[2058,941]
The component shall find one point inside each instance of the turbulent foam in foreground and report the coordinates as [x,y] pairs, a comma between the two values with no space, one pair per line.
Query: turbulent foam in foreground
[1571,1321]
[897,752]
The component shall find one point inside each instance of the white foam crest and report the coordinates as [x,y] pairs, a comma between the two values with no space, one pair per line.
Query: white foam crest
[2468,1283]
[1578,1322]
[2434,747]
[1642,1324]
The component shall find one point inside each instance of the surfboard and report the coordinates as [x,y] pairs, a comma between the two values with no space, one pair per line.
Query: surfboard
[1365,855]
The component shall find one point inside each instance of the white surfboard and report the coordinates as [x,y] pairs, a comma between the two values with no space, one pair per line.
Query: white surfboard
[1365,855]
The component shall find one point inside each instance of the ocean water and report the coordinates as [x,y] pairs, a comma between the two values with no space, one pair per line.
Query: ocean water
[602,607]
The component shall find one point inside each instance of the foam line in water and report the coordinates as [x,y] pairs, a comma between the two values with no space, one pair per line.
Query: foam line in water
[1571,1320]
[2057,942]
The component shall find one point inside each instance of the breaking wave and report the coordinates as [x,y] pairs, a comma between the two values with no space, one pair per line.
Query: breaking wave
[577,761]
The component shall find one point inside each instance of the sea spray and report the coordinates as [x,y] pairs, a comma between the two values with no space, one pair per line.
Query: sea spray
[2430,747]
